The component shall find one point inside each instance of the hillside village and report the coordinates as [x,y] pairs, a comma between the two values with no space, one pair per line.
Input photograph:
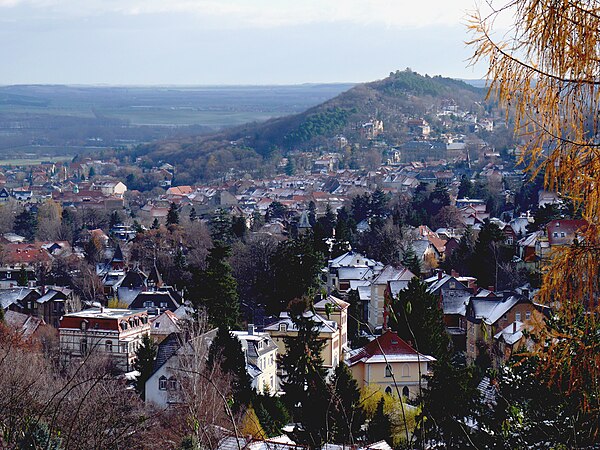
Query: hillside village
[115,258]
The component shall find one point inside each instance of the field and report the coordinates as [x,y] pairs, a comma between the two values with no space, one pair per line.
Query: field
[71,119]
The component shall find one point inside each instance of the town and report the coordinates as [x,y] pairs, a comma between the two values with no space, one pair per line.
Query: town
[333,301]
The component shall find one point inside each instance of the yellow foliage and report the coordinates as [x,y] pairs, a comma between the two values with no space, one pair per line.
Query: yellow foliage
[393,407]
[250,425]
[545,71]
[116,303]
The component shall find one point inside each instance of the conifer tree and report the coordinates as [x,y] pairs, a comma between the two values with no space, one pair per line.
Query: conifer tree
[380,426]
[144,363]
[226,351]
[173,215]
[411,261]
[215,288]
[346,415]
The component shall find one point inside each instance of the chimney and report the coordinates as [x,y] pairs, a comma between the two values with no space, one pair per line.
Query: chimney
[525,293]
[440,274]
[251,329]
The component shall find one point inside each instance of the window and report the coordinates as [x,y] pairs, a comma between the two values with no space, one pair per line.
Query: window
[405,370]
[162,383]
[108,346]
[405,391]
[124,347]
[518,316]
[528,315]
[555,234]
[562,234]
[271,362]
[172,384]
[83,347]
[157,324]
[148,304]
[388,390]
[388,371]
[8,275]
[163,304]
[84,325]
[283,327]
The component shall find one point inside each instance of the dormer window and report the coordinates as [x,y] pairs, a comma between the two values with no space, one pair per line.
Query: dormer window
[283,327]
[84,325]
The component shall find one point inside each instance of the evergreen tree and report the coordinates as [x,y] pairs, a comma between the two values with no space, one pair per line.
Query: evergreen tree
[296,268]
[26,224]
[215,288]
[155,224]
[220,226]
[276,210]
[23,279]
[37,436]
[272,413]
[193,215]
[488,254]
[144,363]
[173,215]
[226,351]
[411,261]
[304,378]
[312,213]
[92,173]
[115,219]
[346,415]
[438,198]
[465,190]
[238,226]
[361,205]
[417,317]
[344,228]
[290,169]
[380,426]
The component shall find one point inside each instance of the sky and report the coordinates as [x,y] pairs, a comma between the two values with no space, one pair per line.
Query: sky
[216,42]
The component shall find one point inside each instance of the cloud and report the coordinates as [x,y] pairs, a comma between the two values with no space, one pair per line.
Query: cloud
[269,13]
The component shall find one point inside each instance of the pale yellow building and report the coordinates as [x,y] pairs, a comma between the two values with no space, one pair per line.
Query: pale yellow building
[389,359]
[336,309]
[329,331]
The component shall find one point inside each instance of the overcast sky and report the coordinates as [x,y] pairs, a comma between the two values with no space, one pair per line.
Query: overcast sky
[200,42]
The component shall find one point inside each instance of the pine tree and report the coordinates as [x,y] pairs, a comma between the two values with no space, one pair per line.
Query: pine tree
[144,363]
[173,215]
[304,378]
[26,224]
[380,426]
[417,318]
[411,261]
[23,279]
[466,188]
[193,215]
[215,288]
[155,224]
[346,415]
[226,351]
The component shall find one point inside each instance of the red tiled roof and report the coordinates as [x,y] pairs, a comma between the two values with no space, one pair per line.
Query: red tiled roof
[388,343]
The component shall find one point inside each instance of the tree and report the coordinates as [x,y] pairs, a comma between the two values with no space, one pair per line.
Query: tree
[304,377]
[226,351]
[411,261]
[26,224]
[465,190]
[250,425]
[276,210]
[545,69]
[380,426]
[216,290]
[417,317]
[346,415]
[144,363]
[23,279]
[155,224]
[173,215]
[115,219]
[193,215]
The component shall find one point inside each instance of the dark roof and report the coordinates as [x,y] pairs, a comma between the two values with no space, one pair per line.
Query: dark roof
[156,297]
[167,348]
[154,276]
[134,279]
[118,256]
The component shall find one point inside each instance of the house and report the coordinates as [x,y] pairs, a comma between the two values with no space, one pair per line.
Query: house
[164,325]
[337,310]
[563,232]
[350,266]
[53,304]
[26,326]
[164,385]
[377,304]
[391,365]
[328,332]
[487,316]
[261,359]
[113,188]
[164,298]
[116,333]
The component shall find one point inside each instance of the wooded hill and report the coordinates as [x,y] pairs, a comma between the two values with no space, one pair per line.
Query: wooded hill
[254,146]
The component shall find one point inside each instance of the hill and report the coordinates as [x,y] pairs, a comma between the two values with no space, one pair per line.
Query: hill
[251,147]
